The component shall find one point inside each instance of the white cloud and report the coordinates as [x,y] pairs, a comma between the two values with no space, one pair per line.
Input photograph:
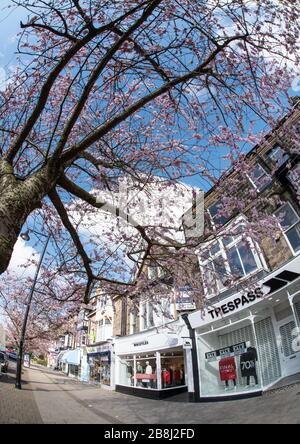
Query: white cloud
[21,254]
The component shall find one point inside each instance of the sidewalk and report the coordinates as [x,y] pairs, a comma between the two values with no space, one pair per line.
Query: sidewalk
[52,398]
[97,405]
[17,406]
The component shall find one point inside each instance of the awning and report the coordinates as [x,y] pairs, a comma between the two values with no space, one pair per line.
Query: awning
[71,357]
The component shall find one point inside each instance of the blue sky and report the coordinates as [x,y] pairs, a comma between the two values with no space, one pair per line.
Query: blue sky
[9,26]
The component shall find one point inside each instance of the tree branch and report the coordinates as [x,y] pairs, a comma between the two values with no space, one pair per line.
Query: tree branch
[47,86]
[55,199]
[202,69]
[97,72]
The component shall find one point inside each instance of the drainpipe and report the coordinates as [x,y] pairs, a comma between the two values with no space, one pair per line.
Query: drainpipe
[196,393]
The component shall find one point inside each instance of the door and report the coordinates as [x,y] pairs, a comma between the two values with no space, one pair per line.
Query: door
[290,349]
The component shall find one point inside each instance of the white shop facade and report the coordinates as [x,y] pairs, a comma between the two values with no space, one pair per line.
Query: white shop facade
[155,363]
[248,342]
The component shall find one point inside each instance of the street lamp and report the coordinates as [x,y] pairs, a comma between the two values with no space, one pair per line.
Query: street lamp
[25,236]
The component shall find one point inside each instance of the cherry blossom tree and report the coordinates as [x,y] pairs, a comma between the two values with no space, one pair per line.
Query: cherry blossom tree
[49,317]
[135,88]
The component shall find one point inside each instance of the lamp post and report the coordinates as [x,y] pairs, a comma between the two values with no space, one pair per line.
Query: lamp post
[26,237]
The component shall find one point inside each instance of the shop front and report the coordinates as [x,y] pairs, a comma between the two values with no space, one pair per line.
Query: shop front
[99,360]
[153,364]
[249,341]
[71,362]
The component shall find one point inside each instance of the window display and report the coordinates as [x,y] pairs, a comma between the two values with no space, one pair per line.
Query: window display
[172,369]
[100,368]
[248,365]
[146,376]
[234,367]
[140,370]
[127,370]
[227,370]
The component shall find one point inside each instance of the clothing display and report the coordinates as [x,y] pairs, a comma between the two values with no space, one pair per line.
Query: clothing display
[139,368]
[166,377]
[248,364]
[177,377]
[148,369]
[227,369]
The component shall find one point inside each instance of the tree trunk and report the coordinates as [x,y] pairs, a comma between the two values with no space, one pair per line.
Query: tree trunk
[17,201]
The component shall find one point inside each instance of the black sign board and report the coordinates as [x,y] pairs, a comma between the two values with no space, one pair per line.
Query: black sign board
[232,350]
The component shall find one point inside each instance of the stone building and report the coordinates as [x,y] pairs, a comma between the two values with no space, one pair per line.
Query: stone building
[247,330]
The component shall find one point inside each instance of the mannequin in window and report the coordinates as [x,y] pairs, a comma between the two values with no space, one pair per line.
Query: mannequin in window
[165,377]
[129,373]
[148,371]
[139,370]
[248,364]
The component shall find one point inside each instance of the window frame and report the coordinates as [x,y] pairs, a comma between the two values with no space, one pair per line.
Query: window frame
[236,240]
[277,162]
[212,218]
[133,321]
[145,319]
[284,232]
[259,189]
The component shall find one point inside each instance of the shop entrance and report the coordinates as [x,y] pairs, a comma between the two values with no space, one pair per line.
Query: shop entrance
[290,349]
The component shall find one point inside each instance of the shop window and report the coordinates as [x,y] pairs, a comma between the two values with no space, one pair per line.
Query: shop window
[290,223]
[228,258]
[259,177]
[140,370]
[228,362]
[277,155]
[100,368]
[126,371]
[172,369]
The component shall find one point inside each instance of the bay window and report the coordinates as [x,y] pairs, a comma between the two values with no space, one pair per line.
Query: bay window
[229,258]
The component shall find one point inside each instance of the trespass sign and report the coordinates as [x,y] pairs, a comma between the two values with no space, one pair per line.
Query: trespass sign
[225,308]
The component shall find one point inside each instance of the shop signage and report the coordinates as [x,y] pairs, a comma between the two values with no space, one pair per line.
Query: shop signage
[184,301]
[235,304]
[187,344]
[221,310]
[151,341]
[138,344]
[98,349]
[232,350]
[282,277]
